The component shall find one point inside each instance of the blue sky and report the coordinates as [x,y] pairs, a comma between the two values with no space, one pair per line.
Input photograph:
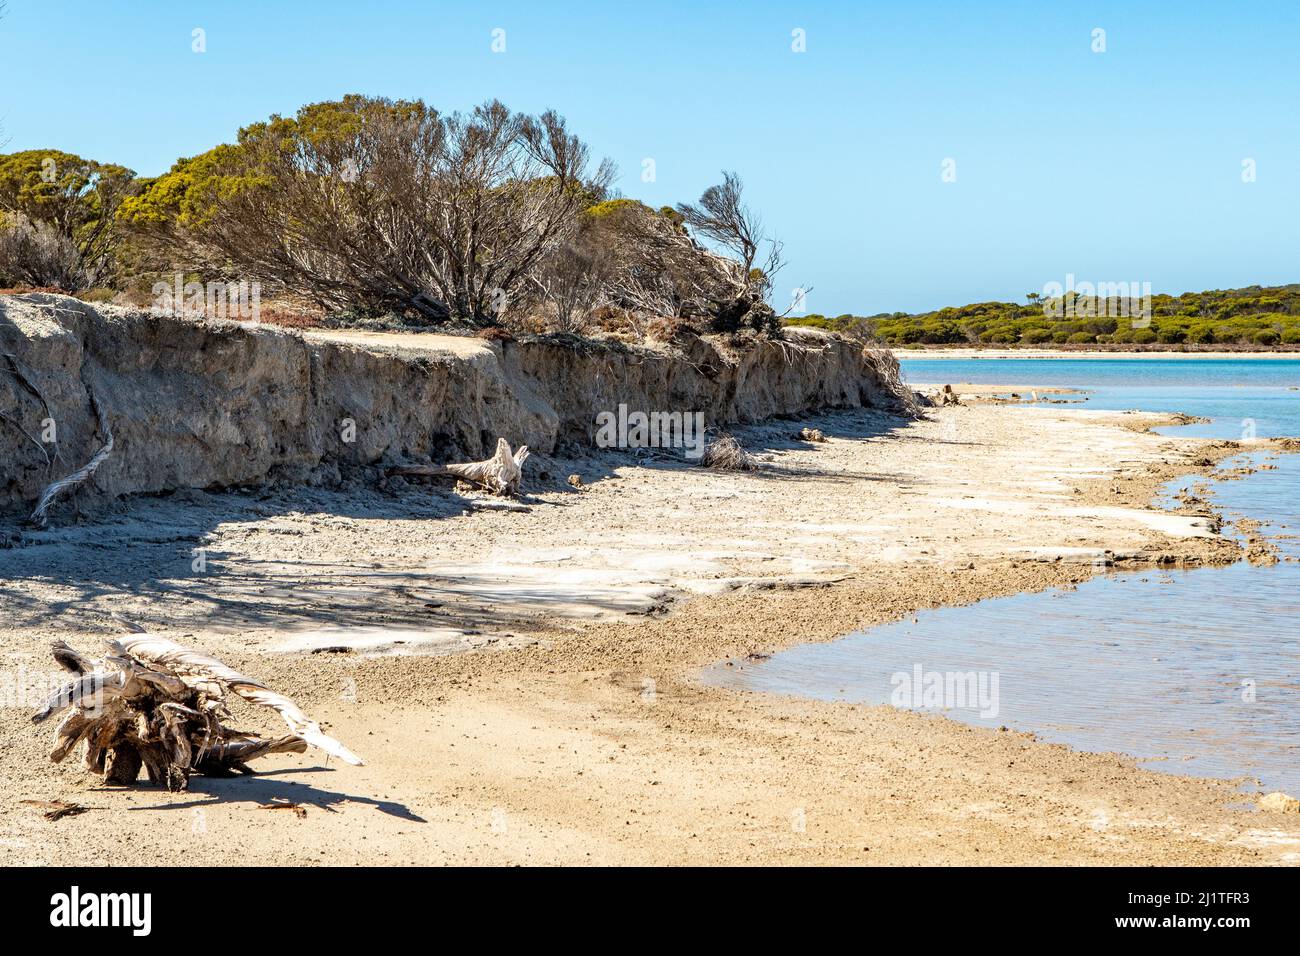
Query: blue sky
[1117,166]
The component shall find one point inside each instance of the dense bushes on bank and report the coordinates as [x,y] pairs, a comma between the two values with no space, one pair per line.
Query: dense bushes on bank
[368,208]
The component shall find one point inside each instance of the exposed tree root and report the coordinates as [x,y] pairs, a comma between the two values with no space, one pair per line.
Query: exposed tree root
[11,366]
[885,364]
[40,516]
[152,704]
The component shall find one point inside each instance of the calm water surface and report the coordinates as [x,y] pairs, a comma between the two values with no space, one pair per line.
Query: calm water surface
[1195,671]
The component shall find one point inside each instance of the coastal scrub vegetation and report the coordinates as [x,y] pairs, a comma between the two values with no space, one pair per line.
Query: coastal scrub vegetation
[366,209]
[1254,316]
[58,219]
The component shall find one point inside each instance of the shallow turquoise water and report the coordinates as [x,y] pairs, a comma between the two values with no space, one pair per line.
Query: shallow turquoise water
[1231,391]
[1100,373]
[1197,671]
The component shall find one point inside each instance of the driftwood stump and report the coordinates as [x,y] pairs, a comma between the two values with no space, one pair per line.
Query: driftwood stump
[501,474]
[152,704]
[947,396]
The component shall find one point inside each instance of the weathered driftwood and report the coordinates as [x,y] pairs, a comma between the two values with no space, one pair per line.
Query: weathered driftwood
[156,705]
[501,474]
[947,396]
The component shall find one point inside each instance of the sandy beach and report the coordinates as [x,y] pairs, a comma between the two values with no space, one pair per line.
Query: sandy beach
[521,678]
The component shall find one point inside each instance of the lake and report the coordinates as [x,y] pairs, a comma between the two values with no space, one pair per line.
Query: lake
[1192,671]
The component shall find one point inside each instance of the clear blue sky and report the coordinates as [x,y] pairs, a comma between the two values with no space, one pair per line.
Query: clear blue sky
[1122,165]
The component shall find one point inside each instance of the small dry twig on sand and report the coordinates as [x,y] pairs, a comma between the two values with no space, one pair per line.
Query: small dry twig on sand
[298,809]
[57,809]
[725,453]
[501,474]
[154,704]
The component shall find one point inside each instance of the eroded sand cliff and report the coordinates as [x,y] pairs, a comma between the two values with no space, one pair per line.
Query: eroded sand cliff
[220,404]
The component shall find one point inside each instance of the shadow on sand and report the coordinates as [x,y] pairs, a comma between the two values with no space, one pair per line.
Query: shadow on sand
[144,549]
[264,788]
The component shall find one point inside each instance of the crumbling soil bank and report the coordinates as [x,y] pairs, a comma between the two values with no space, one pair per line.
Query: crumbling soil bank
[220,404]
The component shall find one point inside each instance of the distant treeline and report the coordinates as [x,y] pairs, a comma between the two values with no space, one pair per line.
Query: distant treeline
[1256,316]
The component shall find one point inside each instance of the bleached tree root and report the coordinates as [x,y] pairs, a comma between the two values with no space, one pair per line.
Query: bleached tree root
[501,474]
[40,516]
[156,706]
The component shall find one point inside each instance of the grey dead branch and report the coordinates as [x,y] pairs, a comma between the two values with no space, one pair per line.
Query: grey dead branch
[152,704]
